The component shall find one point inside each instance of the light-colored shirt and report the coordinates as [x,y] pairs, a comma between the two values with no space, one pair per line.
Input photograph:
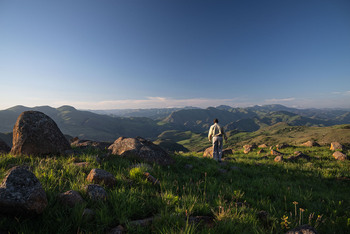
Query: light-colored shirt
[216,130]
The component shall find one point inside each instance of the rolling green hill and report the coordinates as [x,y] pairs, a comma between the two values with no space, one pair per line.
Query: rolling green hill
[85,124]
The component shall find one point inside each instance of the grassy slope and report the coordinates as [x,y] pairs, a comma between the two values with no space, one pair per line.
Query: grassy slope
[294,135]
[263,184]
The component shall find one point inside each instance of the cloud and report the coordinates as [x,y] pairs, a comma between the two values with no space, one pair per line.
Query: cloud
[149,102]
[276,100]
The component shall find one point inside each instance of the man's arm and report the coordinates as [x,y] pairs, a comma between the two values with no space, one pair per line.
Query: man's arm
[210,133]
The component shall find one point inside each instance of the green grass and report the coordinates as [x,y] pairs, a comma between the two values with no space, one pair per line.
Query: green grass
[232,198]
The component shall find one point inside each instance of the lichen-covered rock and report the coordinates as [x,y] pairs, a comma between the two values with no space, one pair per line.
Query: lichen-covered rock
[140,149]
[37,134]
[99,176]
[21,193]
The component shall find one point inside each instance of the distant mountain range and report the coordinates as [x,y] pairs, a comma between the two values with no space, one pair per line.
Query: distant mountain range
[151,123]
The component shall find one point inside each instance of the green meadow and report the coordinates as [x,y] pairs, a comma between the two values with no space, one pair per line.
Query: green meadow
[230,197]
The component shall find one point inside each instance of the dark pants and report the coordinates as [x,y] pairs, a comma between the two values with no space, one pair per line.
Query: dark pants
[217,148]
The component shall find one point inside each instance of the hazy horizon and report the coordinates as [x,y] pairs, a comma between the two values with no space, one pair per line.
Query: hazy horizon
[158,54]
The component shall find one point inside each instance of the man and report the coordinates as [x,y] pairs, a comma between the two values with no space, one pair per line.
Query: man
[216,133]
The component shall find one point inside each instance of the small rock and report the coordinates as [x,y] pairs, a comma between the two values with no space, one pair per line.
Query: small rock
[82,164]
[278,159]
[339,156]
[151,179]
[276,153]
[208,152]
[303,229]
[117,230]
[96,192]
[88,214]
[261,151]
[262,146]
[248,148]
[336,146]
[142,222]
[100,176]
[263,216]
[70,198]
[311,143]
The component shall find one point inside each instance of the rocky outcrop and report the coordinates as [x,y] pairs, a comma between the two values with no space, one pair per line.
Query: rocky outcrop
[336,146]
[99,176]
[140,149]
[339,156]
[21,193]
[4,148]
[37,134]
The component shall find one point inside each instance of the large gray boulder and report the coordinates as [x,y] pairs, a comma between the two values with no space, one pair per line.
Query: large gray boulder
[140,149]
[21,193]
[37,134]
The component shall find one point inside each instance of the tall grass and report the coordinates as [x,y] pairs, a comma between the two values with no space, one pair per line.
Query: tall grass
[292,193]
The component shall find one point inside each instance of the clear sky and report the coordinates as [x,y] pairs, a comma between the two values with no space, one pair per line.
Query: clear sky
[111,54]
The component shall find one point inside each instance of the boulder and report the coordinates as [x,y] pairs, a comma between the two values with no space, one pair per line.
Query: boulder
[4,148]
[303,229]
[96,192]
[99,176]
[21,193]
[70,198]
[37,134]
[311,143]
[336,146]
[339,156]
[141,149]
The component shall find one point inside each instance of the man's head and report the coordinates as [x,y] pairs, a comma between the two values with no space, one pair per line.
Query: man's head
[216,121]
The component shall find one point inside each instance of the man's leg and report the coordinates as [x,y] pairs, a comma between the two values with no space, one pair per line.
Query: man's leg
[219,152]
[215,149]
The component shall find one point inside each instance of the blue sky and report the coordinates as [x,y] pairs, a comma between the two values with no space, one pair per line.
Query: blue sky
[141,54]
